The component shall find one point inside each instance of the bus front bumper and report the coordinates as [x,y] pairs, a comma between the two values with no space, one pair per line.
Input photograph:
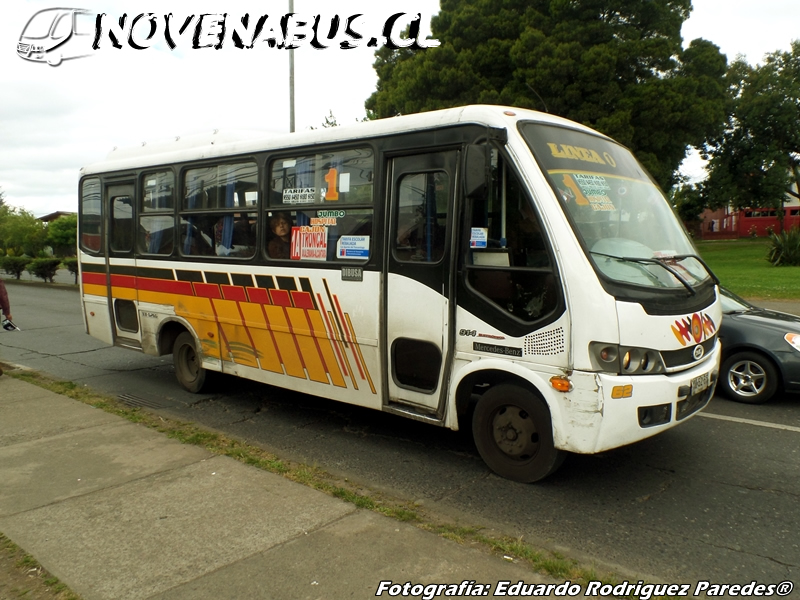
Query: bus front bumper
[608,411]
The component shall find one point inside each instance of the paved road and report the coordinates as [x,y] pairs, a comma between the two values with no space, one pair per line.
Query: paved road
[713,499]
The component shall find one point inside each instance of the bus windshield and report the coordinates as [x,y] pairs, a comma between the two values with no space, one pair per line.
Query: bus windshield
[624,221]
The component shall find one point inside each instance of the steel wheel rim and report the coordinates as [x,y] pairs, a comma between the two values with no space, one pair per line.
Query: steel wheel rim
[189,362]
[515,433]
[747,378]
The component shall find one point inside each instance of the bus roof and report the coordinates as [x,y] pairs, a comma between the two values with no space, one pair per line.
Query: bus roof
[221,144]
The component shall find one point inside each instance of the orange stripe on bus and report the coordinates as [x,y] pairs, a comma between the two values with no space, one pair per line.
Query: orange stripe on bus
[325,347]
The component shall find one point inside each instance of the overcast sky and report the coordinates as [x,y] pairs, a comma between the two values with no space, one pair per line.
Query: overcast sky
[54,120]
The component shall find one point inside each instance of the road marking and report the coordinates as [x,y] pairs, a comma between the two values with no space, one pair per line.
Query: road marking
[750,422]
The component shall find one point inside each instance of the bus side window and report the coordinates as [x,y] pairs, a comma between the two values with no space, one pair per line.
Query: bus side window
[156,213]
[91,217]
[218,213]
[121,239]
[320,206]
[509,261]
[421,219]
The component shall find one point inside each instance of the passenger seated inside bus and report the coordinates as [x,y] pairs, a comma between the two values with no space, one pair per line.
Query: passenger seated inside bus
[233,236]
[280,246]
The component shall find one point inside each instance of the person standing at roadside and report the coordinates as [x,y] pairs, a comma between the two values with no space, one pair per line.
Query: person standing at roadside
[4,305]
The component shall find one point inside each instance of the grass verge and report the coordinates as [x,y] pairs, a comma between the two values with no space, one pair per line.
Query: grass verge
[743,268]
[25,578]
[542,561]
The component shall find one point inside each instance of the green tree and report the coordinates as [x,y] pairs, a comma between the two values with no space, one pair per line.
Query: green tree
[62,235]
[22,233]
[622,71]
[688,202]
[756,159]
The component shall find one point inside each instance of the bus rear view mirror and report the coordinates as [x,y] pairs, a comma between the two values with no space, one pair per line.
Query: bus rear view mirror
[476,177]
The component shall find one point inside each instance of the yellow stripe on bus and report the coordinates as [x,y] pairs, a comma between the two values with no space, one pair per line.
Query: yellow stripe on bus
[308,348]
[95,290]
[285,341]
[200,315]
[265,346]
[239,347]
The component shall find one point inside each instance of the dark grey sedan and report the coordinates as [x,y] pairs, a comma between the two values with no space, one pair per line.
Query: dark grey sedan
[760,351]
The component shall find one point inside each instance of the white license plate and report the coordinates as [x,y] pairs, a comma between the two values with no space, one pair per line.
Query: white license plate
[700,384]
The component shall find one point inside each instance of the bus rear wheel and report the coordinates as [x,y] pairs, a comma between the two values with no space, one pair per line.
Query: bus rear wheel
[188,368]
[514,434]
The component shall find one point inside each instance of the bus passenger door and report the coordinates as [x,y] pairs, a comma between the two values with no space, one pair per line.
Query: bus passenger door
[121,273]
[418,278]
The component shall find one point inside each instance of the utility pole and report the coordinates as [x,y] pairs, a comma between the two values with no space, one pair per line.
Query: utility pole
[291,79]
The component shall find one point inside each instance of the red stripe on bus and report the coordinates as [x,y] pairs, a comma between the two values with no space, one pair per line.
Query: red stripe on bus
[165,286]
[258,295]
[94,278]
[280,298]
[234,292]
[303,300]
[207,290]
[123,281]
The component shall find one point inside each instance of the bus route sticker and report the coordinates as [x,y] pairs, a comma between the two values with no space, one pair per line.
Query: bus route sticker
[309,243]
[479,237]
[353,246]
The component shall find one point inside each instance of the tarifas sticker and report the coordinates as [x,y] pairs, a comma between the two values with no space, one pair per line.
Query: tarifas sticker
[299,196]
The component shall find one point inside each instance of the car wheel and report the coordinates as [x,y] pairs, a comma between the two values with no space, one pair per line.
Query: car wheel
[188,368]
[749,377]
[514,434]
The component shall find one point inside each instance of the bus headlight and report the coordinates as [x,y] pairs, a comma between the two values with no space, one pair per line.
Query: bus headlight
[625,360]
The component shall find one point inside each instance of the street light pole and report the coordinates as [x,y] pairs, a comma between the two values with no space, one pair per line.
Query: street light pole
[291,79]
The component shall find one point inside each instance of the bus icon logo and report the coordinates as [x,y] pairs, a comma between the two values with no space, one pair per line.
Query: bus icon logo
[57,34]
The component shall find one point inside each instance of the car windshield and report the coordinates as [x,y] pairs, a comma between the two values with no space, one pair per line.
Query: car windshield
[731,303]
[624,221]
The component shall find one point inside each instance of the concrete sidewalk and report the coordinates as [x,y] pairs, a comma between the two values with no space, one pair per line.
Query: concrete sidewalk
[116,510]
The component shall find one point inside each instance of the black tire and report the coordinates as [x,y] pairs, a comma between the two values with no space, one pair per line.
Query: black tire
[513,432]
[188,368]
[748,377]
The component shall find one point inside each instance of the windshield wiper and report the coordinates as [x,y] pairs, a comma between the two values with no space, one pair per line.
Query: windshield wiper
[662,263]
[711,274]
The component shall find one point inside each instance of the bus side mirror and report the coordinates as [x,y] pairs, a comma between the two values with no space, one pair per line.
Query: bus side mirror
[476,167]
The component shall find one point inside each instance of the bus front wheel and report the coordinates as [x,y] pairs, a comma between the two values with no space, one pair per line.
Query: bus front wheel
[514,434]
[188,368]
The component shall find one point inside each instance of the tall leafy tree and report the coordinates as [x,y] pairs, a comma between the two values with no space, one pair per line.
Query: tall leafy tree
[756,160]
[616,66]
[62,235]
[22,233]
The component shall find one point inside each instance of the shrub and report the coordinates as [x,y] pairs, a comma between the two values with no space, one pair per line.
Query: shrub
[72,265]
[15,265]
[44,268]
[784,248]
